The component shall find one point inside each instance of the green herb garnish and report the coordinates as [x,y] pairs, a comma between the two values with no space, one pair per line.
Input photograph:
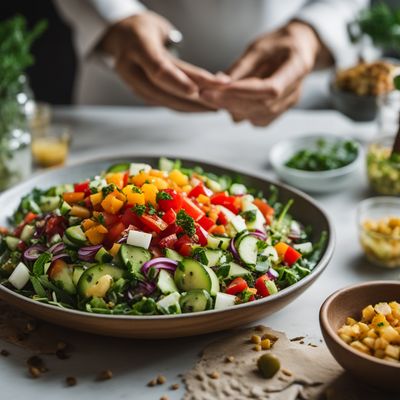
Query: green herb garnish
[186,222]
[163,196]
[139,209]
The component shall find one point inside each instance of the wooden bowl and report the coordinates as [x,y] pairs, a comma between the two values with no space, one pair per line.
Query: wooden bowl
[349,302]
[165,326]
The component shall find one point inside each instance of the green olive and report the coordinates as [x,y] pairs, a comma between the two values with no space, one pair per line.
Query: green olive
[268,365]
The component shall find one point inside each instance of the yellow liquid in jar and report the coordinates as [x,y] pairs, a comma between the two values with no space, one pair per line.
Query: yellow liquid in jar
[49,151]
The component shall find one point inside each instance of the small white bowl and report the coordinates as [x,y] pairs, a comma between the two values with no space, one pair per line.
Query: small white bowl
[312,181]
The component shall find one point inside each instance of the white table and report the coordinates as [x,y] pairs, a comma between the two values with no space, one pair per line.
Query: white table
[107,131]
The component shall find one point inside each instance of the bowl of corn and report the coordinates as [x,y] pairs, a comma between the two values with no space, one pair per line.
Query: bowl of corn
[361,327]
[379,230]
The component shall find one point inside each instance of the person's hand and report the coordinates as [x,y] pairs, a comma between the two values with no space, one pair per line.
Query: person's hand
[267,79]
[138,44]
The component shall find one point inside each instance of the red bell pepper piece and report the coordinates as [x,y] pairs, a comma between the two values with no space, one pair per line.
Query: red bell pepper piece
[175,202]
[169,217]
[222,220]
[238,285]
[30,217]
[200,189]
[129,217]
[206,223]
[223,199]
[169,241]
[291,256]
[261,286]
[184,246]
[153,222]
[82,187]
[202,236]
[192,209]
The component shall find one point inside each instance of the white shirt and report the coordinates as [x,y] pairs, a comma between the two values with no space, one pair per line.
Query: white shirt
[216,32]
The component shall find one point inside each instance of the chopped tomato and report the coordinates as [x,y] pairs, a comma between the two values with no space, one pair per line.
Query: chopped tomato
[236,286]
[82,187]
[261,286]
[228,202]
[55,225]
[169,241]
[202,236]
[184,245]
[21,246]
[30,217]
[253,296]
[110,219]
[222,220]
[153,222]
[265,209]
[169,217]
[291,256]
[114,233]
[129,217]
[200,189]
[206,223]
[186,250]
[192,209]
[175,202]
[125,178]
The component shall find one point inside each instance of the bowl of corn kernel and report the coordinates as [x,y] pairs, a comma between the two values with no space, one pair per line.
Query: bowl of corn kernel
[361,327]
[379,230]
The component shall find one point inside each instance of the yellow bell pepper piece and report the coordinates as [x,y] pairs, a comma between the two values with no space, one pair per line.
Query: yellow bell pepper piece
[157,173]
[140,178]
[96,198]
[202,199]
[94,236]
[159,183]
[88,223]
[117,178]
[115,249]
[179,178]
[111,204]
[150,193]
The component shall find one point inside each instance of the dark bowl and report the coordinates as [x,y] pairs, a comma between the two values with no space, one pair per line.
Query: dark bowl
[304,208]
[358,108]
[349,302]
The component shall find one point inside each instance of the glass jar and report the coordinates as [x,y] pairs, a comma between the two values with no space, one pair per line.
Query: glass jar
[15,139]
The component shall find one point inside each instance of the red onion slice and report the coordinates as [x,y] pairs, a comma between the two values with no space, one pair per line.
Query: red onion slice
[87,253]
[57,248]
[61,255]
[272,274]
[32,253]
[159,263]
[259,234]
[232,249]
[146,288]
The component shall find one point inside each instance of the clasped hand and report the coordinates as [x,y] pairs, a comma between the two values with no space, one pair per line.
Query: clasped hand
[263,83]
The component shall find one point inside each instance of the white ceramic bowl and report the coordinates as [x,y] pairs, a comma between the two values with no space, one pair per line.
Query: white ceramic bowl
[312,181]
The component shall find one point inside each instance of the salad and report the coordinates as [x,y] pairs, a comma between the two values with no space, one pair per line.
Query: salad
[136,240]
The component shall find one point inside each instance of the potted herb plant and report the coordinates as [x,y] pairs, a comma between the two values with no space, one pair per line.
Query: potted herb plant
[15,56]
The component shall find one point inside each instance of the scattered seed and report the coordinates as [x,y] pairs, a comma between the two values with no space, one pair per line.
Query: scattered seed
[164,398]
[255,339]
[34,372]
[312,345]
[199,377]
[70,381]
[5,353]
[265,344]
[175,386]
[301,342]
[272,338]
[286,372]
[257,347]
[214,375]
[105,375]
[297,338]
[161,379]
[229,359]
[152,383]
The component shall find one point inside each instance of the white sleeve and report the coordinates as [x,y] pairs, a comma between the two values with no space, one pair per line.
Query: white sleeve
[91,18]
[330,18]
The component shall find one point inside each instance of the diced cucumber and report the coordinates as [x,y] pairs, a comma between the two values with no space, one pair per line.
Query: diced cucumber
[164,164]
[97,184]
[195,300]
[166,283]
[218,242]
[76,235]
[27,233]
[214,281]
[172,255]
[72,220]
[134,257]
[20,276]
[76,275]
[213,185]
[235,270]
[68,243]
[60,273]
[248,249]
[136,168]
[60,189]
[271,253]
[90,279]
[271,287]
[65,208]
[103,256]
[190,274]
[304,248]
[247,205]
[213,257]
[224,300]
[228,213]
[237,189]
[170,304]
[49,203]
[11,242]
[120,167]
[55,239]
[239,223]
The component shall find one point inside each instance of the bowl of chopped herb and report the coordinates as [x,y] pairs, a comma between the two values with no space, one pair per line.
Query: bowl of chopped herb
[318,163]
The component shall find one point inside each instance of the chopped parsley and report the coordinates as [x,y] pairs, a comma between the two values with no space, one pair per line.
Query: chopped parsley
[163,196]
[186,222]
[250,215]
[139,209]
[108,189]
[380,324]
[100,219]
[150,209]
[135,189]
